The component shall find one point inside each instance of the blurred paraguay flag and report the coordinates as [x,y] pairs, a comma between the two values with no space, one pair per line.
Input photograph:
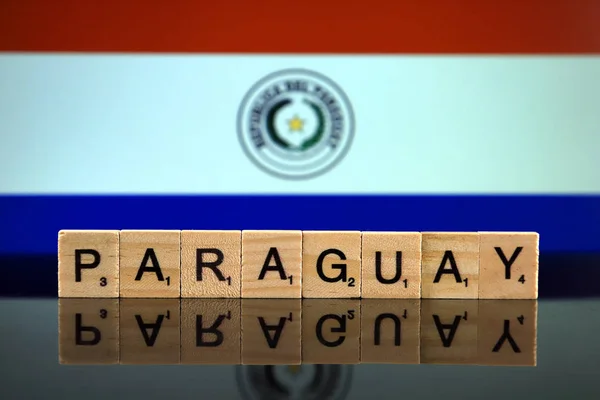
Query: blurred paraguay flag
[421,115]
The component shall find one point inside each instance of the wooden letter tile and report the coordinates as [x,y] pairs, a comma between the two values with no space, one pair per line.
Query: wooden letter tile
[331,331]
[391,265]
[271,332]
[88,331]
[449,331]
[390,331]
[450,265]
[331,264]
[88,263]
[211,264]
[508,265]
[149,331]
[271,264]
[508,332]
[210,331]
[150,264]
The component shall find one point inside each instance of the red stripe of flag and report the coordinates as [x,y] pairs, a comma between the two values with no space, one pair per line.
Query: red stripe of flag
[307,26]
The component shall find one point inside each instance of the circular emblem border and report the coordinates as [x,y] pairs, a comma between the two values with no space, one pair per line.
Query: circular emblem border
[306,72]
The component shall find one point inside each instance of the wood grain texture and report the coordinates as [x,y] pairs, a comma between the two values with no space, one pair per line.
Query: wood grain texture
[390,331]
[449,331]
[149,331]
[500,275]
[211,331]
[211,264]
[507,332]
[271,332]
[92,248]
[271,264]
[331,264]
[150,264]
[88,331]
[331,331]
[441,252]
[391,265]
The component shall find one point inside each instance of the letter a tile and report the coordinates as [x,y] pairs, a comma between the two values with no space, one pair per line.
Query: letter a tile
[271,264]
[150,264]
[508,267]
[450,265]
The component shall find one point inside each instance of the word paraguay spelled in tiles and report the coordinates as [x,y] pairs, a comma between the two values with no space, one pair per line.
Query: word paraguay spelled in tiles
[297,264]
[295,331]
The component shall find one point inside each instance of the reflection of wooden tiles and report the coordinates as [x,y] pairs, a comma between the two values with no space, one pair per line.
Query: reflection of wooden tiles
[292,331]
[331,331]
[390,331]
[449,331]
[149,330]
[271,332]
[88,331]
[210,331]
[507,332]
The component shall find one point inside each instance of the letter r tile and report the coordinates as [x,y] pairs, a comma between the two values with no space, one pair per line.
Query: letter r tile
[211,264]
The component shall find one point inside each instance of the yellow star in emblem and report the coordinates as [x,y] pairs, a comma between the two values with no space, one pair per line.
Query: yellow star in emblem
[296,124]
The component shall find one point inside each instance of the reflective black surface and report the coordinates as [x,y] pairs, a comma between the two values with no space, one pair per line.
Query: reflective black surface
[563,343]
